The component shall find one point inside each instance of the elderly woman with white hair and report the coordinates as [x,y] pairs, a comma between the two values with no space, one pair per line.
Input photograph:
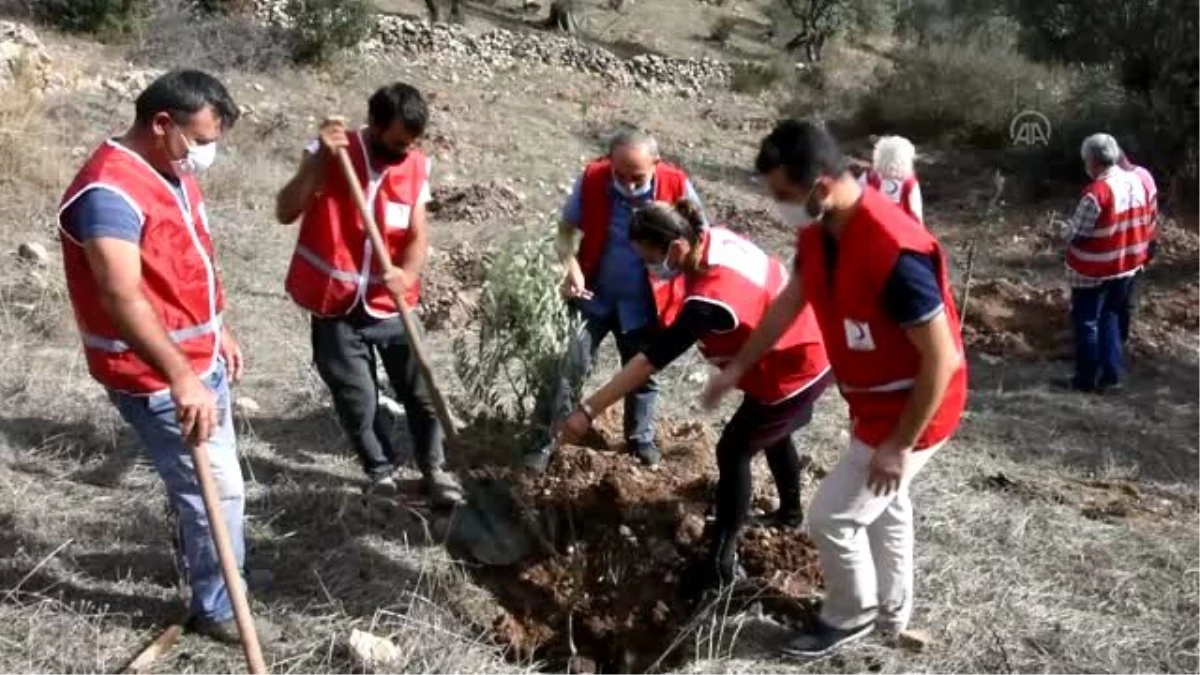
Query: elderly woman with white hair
[893,175]
[1109,239]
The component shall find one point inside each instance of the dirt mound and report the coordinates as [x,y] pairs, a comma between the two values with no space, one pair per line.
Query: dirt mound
[1016,320]
[450,286]
[755,223]
[474,203]
[615,590]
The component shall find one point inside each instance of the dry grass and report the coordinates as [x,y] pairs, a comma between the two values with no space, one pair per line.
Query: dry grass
[1015,580]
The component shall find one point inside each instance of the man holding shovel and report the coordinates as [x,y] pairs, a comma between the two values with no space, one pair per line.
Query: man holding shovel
[148,301]
[334,275]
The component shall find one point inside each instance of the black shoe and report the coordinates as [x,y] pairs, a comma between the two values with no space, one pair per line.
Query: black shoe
[382,486]
[538,460]
[443,488]
[648,453]
[782,519]
[822,639]
[1111,387]
[227,631]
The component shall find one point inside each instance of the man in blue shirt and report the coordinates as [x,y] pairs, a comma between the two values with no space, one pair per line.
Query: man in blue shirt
[606,282]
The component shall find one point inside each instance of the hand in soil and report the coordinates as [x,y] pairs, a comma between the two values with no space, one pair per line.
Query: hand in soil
[574,428]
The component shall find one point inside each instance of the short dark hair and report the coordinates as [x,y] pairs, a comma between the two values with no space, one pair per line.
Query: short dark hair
[183,93]
[398,102]
[805,150]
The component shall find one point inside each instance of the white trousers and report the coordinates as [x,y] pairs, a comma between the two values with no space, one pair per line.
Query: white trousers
[865,542]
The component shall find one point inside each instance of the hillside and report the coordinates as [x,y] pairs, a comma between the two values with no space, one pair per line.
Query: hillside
[1058,532]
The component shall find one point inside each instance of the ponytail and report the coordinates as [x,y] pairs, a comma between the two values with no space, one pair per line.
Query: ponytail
[660,223]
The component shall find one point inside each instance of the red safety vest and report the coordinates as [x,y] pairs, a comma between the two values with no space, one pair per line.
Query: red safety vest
[874,362]
[1147,179]
[334,266]
[670,185]
[178,277]
[740,278]
[899,192]
[1118,243]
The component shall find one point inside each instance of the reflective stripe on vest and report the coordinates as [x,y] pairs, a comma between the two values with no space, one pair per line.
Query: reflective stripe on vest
[117,346]
[1108,256]
[334,273]
[894,385]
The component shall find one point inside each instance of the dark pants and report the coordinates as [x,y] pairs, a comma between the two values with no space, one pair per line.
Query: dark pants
[1100,319]
[344,351]
[639,404]
[757,426]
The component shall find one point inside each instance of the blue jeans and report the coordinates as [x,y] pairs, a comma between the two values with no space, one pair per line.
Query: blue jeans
[153,419]
[639,404]
[1100,318]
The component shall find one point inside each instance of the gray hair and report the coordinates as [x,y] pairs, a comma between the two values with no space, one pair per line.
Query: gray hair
[632,137]
[1100,148]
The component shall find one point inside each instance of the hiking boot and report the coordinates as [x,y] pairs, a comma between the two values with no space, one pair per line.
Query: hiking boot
[648,453]
[1110,387]
[442,488]
[536,461]
[226,631]
[382,486]
[822,639]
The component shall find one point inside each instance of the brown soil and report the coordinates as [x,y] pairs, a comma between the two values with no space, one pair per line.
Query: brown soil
[625,541]
[1016,320]
[1096,499]
[450,286]
[474,203]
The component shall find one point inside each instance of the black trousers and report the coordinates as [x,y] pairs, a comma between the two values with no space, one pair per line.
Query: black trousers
[759,426]
[345,350]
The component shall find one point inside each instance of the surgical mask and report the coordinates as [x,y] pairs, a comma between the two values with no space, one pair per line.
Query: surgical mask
[662,270]
[794,215]
[199,157]
[636,193]
[387,155]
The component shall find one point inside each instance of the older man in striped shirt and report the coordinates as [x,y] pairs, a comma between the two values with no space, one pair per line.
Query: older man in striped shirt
[1109,239]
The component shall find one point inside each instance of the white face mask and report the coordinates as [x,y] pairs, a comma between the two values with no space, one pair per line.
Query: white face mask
[794,215]
[198,159]
[636,193]
[663,270]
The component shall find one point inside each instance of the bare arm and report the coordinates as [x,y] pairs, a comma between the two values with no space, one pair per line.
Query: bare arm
[940,359]
[779,316]
[117,268]
[638,370]
[294,198]
[418,246]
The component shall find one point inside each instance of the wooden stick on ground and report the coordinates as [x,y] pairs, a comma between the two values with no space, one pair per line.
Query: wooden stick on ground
[156,649]
[229,568]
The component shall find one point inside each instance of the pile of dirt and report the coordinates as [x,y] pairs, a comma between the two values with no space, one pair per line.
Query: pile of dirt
[1018,321]
[755,223]
[450,286]
[617,591]
[475,203]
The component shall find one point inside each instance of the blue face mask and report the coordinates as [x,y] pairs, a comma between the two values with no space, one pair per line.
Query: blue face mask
[639,192]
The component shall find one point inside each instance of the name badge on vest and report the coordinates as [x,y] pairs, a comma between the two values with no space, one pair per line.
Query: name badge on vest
[396,215]
[891,189]
[858,336]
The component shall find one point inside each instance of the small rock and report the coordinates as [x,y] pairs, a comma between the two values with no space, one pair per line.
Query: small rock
[582,665]
[258,87]
[914,640]
[624,531]
[661,612]
[690,529]
[371,652]
[32,251]
[246,405]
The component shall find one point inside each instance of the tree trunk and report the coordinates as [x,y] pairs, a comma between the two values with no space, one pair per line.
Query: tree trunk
[562,17]
[434,14]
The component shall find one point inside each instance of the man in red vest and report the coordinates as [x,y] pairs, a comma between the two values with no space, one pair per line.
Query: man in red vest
[878,284]
[335,277]
[606,281]
[1109,240]
[143,282]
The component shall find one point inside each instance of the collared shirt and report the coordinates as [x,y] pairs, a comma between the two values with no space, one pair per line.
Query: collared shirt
[1084,220]
[620,284]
